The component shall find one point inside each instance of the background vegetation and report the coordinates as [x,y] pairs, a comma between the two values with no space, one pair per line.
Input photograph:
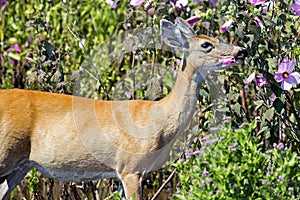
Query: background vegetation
[243,145]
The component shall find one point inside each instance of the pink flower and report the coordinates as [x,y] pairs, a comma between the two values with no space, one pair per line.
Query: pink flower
[227,61]
[112,4]
[256,2]
[148,4]
[193,20]
[250,78]
[136,3]
[285,74]
[14,47]
[261,81]
[226,26]
[272,97]
[296,7]
[28,59]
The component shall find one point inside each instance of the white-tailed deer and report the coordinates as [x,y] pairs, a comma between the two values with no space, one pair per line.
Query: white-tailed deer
[77,139]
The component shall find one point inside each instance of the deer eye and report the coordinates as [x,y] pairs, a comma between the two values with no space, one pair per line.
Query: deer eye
[205,45]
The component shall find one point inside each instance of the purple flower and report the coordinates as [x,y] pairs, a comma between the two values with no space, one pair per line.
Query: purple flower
[208,180]
[202,184]
[272,97]
[285,74]
[264,181]
[280,178]
[256,2]
[233,147]
[12,62]
[148,4]
[193,20]
[210,142]
[261,81]
[296,7]
[28,59]
[227,61]
[213,128]
[214,1]
[250,78]
[268,6]
[226,26]
[4,3]
[198,1]
[279,146]
[205,173]
[258,23]
[205,138]
[14,47]
[136,3]
[218,191]
[112,4]
[193,153]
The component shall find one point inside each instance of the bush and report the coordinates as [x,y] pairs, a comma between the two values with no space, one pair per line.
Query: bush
[233,165]
[41,47]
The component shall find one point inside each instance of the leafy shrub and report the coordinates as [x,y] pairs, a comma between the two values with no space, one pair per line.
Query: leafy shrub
[234,166]
[41,47]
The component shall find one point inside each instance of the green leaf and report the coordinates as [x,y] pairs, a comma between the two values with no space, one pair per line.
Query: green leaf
[14,56]
[236,108]
[268,115]
[258,103]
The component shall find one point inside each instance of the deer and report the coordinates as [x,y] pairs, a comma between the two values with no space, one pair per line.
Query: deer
[72,138]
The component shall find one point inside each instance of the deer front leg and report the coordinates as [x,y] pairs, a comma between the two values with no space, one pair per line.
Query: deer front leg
[10,181]
[132,185]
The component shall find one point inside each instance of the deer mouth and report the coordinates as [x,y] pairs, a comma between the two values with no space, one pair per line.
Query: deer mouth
[238,59]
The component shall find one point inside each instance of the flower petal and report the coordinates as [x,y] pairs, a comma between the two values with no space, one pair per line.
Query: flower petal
[291,66]
[227,61]
[136,3]
[250,78]
[226,26]
[193,20]
[214,1]
[285,85]
[261,81]
[283,65]
[272,97]
[278,76]
[295,77]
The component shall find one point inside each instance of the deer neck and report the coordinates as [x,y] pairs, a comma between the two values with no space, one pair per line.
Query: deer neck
[180,104]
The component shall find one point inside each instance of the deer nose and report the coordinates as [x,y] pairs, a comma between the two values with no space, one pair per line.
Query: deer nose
[242,54]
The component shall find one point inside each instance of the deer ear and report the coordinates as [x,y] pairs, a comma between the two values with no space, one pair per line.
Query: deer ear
[171,35]
[185,28]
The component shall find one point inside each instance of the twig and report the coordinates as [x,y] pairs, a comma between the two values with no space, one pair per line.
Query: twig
[87,54]
[164,184]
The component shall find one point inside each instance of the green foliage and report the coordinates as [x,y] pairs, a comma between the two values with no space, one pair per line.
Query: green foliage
[129,64]
[235,166]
